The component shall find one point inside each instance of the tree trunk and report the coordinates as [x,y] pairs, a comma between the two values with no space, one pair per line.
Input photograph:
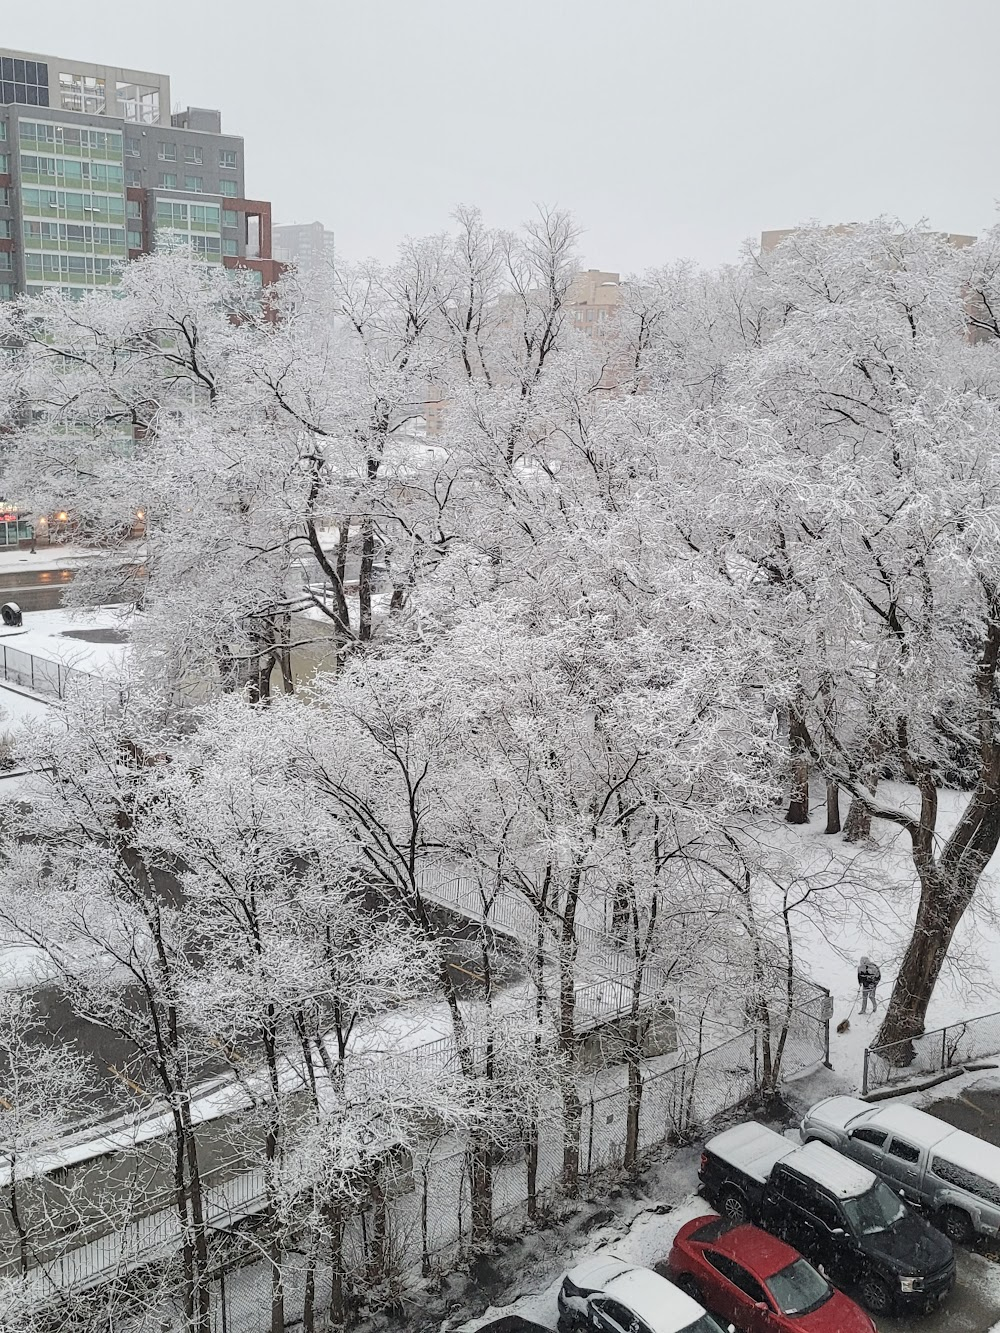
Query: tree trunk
[798,804]
[832,808]
[858,824]
[572,1108]
[365,580]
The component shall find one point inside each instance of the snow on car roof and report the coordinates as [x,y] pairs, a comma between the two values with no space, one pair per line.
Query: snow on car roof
[971,1154]
[842,1177]
[752,1147]
[657,1302]
[921,1129]
[592,1273]
[839,1111]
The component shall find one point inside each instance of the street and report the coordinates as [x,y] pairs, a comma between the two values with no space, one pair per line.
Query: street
[35,591]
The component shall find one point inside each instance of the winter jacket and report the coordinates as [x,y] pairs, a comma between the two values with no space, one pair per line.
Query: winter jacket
[869,975]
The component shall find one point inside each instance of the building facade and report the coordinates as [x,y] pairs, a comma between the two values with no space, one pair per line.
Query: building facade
[94,170]
[307,244]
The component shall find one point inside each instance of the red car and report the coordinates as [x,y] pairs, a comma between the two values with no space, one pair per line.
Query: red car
[758,1282]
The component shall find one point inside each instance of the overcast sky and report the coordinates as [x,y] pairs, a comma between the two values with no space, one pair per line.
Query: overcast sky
[669,127]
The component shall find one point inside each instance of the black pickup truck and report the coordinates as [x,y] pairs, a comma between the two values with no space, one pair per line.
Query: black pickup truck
[835,1212]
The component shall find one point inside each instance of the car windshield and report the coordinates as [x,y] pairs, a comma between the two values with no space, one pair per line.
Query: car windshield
[706,1324]
[875,1210]
[799,1288]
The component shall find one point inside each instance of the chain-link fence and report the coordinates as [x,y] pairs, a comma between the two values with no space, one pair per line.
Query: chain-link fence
[424,1222]
[943,1048]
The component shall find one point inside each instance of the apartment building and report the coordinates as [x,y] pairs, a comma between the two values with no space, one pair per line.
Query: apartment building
[307,244]
[95,170]
[592,300]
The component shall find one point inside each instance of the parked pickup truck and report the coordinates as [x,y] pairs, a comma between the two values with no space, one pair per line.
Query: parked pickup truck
[832,1210]
[953,1174]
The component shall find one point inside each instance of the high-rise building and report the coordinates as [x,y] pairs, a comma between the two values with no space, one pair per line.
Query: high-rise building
[307,244]
[592,300]
[95,170]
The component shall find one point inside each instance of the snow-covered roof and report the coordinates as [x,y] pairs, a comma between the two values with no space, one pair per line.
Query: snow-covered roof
[971,1154]
[752,1147]
[921,1129]
[596,1270]
[843,1178]
[837,1112]
[658,1303]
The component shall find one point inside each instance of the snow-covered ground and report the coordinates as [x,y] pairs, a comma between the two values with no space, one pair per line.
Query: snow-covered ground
[867,907]
[73,637]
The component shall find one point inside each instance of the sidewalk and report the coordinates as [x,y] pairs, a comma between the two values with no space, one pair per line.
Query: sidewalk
[60,556]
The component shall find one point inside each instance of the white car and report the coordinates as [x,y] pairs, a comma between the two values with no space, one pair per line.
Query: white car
[613,1296]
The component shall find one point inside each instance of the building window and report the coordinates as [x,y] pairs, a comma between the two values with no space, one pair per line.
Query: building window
[3,131]
[24,81]
[228,218]
[133,147]
[139,102]
[167,152]
[82,92]
[6,260]
[194,183]
[4,162]
[228,188]
[227,158]
[168,180]
[194,155]
[133,209]
[4,197]
[6,291]
[135,240]
[230,245]
[133,177]
[5,232]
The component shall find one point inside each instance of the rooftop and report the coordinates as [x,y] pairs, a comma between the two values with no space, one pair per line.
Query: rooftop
[843,1178]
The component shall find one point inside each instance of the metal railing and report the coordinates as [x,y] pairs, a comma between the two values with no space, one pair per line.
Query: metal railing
[52,680]
[931,1052]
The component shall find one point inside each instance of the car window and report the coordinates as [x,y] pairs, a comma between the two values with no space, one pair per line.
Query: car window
[621,1315]
[875,1210]
[737,1275]
[904,1151]
[794,1190]
[876,1137]
[966,1180]
[799,1289]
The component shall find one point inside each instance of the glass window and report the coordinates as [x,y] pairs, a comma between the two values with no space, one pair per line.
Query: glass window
[876,1210]
[799,1289]
[133,147]
[6,291]
[166,152]
[228,188]
[966,1180]
[193,154]
[876,1137]
[168,181]
[135,240]
[3,131]
[228,218]
[5,229]
[6,260]
[230,246]
[227,158]
[194,183]
[4,197]
[737,1275]
[133,178]
[4,162]
[904,1151]
[133,209]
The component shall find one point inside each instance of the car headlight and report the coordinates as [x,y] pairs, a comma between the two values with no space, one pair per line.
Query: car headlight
[911,1284]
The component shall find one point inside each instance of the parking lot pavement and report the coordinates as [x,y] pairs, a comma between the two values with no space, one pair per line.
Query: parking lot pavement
[973,1306]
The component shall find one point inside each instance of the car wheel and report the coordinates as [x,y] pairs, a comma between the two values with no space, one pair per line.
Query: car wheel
[689,1286]
[875,1295]
[957,1225]
[733,1206]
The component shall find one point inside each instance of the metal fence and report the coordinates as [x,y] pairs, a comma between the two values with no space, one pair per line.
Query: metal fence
[428,1221]
[52,680]
[942,1048]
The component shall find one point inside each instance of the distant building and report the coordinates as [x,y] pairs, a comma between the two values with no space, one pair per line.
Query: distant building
[94,170]
[770,240]
[307,244]
[592,300]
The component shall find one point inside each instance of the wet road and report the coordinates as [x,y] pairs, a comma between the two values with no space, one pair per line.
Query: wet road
[40,590]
